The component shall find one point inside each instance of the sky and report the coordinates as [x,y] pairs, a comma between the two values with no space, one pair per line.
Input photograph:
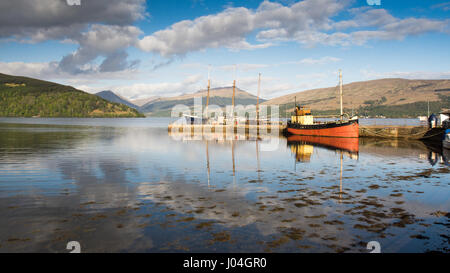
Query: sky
[140,49]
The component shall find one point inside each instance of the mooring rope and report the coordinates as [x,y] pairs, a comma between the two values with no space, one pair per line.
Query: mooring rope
[432,135]
[375,133]
[390,135]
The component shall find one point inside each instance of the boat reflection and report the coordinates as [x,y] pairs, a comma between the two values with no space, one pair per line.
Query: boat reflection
[302,152]
[303,146]
[436,154]
[446,156]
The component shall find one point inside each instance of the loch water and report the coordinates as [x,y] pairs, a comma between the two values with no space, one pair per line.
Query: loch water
[127,185]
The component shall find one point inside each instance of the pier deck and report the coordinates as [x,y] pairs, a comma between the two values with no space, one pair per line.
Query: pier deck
[366,131]
[401,132]
[261,129]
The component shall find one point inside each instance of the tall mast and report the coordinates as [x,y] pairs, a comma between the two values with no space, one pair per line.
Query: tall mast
[234,89]
[234,86]
[340,92]
[209,86]
[257,98]
[234,92]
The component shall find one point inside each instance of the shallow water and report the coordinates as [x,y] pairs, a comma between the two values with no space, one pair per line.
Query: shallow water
[126,185]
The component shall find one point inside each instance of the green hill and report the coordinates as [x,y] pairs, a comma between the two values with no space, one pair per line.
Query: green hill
[27,97]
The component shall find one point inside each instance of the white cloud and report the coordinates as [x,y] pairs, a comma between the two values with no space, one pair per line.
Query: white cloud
[104,42]
[107,41]
[443,6]
[49,19]
[51,71]
[225,29]
[387,27]
[246,67]
[308,22]
[190,84]
[231,27]
[243,67]
[104,32]
[323,60]
[312,76]
[35,70]
[101,28]
[429,75]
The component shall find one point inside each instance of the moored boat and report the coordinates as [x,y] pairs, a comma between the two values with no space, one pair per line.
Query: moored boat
[302,123]
[349,128]
[193,119]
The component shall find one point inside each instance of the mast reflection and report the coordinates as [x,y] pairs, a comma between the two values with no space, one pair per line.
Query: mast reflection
[303,148]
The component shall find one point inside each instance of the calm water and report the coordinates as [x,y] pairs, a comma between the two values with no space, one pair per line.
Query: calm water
[126,185]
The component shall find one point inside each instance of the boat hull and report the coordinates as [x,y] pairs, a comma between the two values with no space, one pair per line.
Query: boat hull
[345,129]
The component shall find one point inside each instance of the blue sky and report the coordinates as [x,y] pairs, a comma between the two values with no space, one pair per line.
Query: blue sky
[142,49]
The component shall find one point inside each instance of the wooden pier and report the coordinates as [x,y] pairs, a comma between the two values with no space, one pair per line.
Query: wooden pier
[365,131]
[401,132]
[241,128]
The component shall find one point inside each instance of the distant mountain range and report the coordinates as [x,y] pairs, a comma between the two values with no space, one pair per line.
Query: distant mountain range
[221,97]
[112,97]
[384,97]
[162,106]
[28,97]
[141,102]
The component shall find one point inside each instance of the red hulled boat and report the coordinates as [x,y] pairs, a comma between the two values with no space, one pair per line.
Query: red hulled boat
[302,123]
[348,128]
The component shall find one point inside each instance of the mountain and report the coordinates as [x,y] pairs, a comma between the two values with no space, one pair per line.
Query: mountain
[221,96]
[141,102]
[384,97]
[112,97]
[28,97]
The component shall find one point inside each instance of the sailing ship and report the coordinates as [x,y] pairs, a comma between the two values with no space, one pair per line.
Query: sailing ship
[302,123]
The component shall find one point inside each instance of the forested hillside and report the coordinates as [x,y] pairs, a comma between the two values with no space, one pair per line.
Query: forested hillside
[27,97]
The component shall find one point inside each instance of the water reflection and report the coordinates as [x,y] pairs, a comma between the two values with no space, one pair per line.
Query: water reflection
[138,189]
[437,154]
[303,146]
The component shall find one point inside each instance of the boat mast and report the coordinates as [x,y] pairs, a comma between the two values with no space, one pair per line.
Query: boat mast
[209,86]
[340,92]
[257,99]
[234,89]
